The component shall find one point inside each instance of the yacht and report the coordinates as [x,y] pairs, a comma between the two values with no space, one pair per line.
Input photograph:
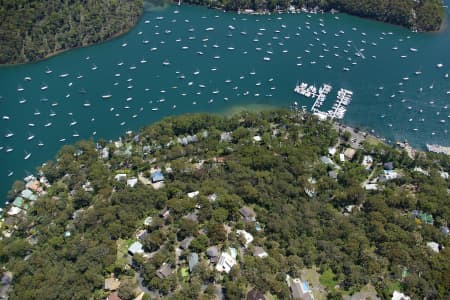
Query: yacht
[27,78]
[40,144]
[27,155]
[44,87]
[86,104]
[20,88]
[30,137]
[9,134]
[63,75]
[106,96]
[48,71]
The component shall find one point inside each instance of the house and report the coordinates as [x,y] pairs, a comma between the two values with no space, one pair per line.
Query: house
[257,138]
[333,175]
[259,252]
[388,175]
[192,261]
[113,296]
[148,221]
[300,290]
[132,182]
[389,166]
[246,235]
[136,248]
[255,295]
[13,211]
[341,157]
[248,214]
[326,160]
[165,213]
[400,296]
[34,186]
[111,284]
[193,194]
[212,197]
[18,202]
[367,161]
[213,253]
[434,246]
[349,153]
[27,194]
[371,186]
[444,175]
[225,263]
[120,177]
[331,151]
[184,244]
[105,153]
[225,137]
[164,271]
[157,177]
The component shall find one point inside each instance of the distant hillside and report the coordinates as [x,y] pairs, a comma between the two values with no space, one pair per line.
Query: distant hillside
[31,30]
[421,15]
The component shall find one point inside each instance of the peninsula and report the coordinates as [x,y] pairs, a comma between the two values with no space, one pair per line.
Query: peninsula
[266,205]
[31,30]
[423,15]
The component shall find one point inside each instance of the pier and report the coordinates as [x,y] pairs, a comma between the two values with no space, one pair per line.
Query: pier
[339,108]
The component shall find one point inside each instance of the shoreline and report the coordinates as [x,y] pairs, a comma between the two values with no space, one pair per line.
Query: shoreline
[61,51]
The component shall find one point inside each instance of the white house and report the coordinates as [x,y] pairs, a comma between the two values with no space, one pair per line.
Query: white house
[193,194]
[247,236]
[225,263]
[400,296]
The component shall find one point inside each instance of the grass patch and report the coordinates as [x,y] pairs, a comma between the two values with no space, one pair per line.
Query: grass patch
[122,251]
[327,279]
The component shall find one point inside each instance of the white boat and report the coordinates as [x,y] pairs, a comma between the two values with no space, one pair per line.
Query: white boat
[9,134]
[27,155]
[27,78]
[86,104]
[30,137]
[153,49]
[40,144]
[9,149]
[166,63]
[44,87]
[73,123]
[124,44]
[62,140]
[75,134]
[413,49]
[439,65]
[63,75]
[106,96]
[22,101]
[10,173]
[48,124]
[5,117]
[155,108]
[20,88]
[94,67]
[31,124]
[266,58]
[48,71]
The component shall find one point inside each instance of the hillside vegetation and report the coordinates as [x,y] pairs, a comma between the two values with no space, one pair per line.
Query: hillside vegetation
[312,211]
[32,29]
[421,15]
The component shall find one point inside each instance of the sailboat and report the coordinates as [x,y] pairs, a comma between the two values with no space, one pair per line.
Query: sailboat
[27,155]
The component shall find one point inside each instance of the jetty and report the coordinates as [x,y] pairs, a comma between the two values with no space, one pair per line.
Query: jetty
[339,109]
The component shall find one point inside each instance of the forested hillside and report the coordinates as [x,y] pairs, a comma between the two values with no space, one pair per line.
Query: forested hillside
[32,29]
[272,188]
[422,15]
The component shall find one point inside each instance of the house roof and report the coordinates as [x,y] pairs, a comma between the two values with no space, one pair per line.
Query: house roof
[164,271]
[255,295]
[260,252]
[113,296]
[136,247]
[18,202]
[326,160]
[111,284]
[27,194]
[300,290]
[192,260]
[184,244]
[349,153]
[247,212]
[157,176]
[212,251]
[388,166]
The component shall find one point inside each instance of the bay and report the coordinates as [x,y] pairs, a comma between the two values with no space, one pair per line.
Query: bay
[187,59]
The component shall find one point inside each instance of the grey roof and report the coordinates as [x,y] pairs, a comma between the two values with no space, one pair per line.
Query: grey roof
[192,261]
[136,247]
[212,251]
[326,160]
[164,271]
[184,244]
[389,166]
[247,212]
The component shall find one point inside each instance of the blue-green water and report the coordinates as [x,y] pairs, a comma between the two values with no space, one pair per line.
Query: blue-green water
[214,61]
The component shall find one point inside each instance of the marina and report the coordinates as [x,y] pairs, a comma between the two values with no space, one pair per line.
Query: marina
[170,66]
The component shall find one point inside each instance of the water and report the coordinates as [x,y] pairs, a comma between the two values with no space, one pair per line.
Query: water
[190,59]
